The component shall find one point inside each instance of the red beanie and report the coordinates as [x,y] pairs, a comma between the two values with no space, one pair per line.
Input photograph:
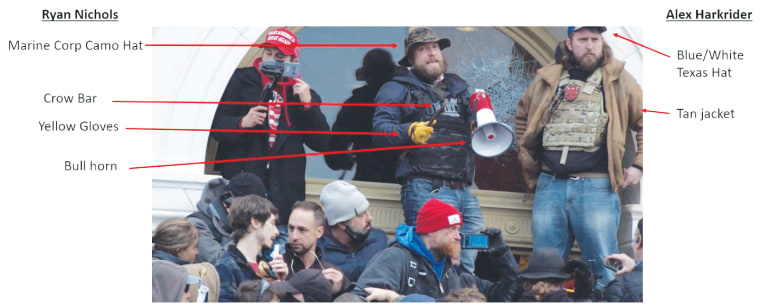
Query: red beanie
[435,215]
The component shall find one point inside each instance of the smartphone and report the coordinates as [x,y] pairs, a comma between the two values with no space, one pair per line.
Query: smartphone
[613,264]
[359,291]
[474,241]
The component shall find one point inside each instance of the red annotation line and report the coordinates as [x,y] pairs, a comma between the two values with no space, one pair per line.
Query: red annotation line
[651,111]
[267,131]
[426,105]
[617,35]
[393,45]
[459,143]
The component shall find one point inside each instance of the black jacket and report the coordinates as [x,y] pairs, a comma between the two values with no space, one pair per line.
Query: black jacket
[376,166]
[627,287]
[295,264]
[285,177]
[402,270]
[409,89]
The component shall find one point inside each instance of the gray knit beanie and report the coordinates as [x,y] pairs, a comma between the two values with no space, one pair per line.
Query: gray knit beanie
[342,201]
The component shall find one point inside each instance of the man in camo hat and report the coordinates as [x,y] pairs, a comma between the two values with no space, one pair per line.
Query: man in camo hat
[441,172]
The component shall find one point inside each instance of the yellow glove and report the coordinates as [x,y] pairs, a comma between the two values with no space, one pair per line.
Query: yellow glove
[420,132]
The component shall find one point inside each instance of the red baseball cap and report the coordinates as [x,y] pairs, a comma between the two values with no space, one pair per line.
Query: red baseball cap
[284,40]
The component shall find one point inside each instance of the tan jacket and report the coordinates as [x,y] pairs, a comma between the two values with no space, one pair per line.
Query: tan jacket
[622,99]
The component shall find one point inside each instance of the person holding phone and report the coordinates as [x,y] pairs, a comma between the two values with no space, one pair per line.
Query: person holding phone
[628,283]
[284,178]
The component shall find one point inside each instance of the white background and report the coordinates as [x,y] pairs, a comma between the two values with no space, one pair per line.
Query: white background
[82,236]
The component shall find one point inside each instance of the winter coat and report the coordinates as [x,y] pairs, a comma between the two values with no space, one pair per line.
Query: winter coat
[375,166]
[233,269]
[398,119]
[210,218]
[628,287]
[623,102]
[295,264]
[352,262]
[407,267]
[285,177]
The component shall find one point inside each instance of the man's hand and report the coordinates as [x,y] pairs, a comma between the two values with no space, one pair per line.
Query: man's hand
[627,262]
[420,132]
[381,295]
[279,267]
[631,175]
[302,90]
[335,277]
[256,116]
[496,244]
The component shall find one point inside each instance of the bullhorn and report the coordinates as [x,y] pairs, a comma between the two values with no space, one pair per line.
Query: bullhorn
[491,138]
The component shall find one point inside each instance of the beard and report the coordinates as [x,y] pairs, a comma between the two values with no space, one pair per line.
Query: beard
[449,250]
[588,61]
[360,234]
[430,71]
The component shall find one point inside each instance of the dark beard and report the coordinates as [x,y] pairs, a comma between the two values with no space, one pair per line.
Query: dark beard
[358,236]
[587,64]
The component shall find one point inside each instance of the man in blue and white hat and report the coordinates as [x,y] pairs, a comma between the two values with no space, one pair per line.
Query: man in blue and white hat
[571,128]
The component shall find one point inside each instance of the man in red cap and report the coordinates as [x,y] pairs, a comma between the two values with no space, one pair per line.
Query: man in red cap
[419,261]
[284,178]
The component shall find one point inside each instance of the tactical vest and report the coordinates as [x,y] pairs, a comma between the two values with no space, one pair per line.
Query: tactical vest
[577,120]
[449,162]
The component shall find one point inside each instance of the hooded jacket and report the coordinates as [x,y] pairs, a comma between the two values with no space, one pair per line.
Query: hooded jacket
[285,177]
[352,262]
[623,100]
[408,267]
[209,219]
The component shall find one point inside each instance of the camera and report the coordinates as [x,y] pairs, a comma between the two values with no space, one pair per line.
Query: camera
[474,241]
[280,68]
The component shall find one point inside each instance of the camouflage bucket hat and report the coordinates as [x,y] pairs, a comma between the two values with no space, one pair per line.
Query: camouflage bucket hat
[421,35]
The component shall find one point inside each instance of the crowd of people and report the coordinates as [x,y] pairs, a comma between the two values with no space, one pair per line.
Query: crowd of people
[254,238]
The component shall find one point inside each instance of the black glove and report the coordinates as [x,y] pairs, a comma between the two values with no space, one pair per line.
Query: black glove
[584,282]
[496,244]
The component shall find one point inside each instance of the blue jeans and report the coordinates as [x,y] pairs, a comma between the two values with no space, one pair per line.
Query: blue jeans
[418,191]
[585,209]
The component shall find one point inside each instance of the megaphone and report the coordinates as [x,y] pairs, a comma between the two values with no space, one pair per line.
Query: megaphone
[491,138]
